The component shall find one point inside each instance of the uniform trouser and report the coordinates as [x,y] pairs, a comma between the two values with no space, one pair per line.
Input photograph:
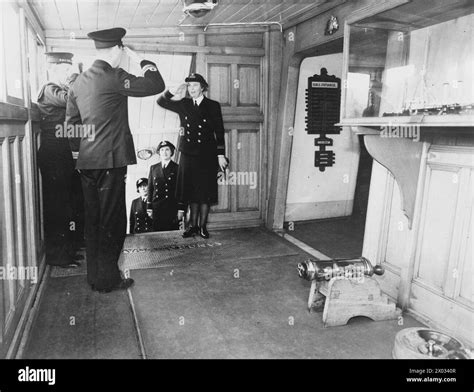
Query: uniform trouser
[56,184]
[77,201]
[105,223]
[164,216]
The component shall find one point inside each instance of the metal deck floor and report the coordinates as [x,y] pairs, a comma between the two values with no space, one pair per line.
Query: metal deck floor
[240,299]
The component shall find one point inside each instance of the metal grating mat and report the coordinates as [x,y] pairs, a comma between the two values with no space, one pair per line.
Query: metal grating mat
[165,249]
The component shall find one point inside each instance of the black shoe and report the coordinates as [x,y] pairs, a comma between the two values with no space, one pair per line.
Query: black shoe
[71,264]
[78,257]
[203,232]
[190,231]
[124,284]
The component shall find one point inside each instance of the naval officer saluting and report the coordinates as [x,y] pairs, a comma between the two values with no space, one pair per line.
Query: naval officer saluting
[202,146]
[99,99]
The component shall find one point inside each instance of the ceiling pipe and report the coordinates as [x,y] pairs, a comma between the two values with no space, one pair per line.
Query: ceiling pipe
[234,24]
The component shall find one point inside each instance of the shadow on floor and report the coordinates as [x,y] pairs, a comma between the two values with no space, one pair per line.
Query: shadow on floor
[336,238]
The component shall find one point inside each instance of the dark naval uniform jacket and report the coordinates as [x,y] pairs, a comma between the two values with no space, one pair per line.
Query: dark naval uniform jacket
[98,100]
[202,131]
[140,222]
[201,140]
[161,196]
[54,149]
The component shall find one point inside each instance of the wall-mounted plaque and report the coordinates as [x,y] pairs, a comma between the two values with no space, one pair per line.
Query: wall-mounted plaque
[323,98]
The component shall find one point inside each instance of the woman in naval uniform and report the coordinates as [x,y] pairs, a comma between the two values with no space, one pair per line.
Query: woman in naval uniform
[140,222]
[202,147]
[162,204]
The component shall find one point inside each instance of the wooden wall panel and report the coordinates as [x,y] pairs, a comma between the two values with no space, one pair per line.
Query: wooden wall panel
[223,191]
[3,240]
[397,235]
[248,170]
[249,81]
[466,273]
[437,226]
[19,203]
[9,238]
[220,87]
[235,40]
[39,198]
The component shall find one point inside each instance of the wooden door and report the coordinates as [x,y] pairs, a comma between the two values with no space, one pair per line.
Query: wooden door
[236,82]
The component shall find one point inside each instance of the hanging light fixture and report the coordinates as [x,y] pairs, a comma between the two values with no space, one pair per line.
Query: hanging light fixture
[197,8]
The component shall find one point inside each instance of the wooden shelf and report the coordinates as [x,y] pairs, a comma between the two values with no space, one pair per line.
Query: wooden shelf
[420,120]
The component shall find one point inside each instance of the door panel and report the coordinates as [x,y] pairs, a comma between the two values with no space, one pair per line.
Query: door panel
[223,192]
[249,80]
[219,83]
[248,156]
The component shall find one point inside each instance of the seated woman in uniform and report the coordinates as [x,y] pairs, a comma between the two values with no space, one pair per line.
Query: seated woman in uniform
[202,147]
[162,205]
[140,222]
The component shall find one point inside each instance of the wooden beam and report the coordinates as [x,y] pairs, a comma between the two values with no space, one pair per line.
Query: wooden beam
[10,112]
[167,31]
[201,67]
[30,163]
[71,44]
[273,61]
[284,132]
[33,19]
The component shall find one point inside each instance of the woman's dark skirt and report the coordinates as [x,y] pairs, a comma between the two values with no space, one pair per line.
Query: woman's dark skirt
[197,179]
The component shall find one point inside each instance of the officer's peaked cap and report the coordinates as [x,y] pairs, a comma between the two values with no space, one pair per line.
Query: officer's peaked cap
[107,38]
[196,78]
[142,181]
[59,57]
[166,143]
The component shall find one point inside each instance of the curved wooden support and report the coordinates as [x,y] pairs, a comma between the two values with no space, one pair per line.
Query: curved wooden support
[402,158]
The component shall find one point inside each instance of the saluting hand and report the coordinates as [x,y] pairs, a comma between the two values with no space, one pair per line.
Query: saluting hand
[133,55]
[150,213]
[179,92]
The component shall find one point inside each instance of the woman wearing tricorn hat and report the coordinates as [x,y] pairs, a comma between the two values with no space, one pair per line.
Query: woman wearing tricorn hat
[202,148]
[162,205]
